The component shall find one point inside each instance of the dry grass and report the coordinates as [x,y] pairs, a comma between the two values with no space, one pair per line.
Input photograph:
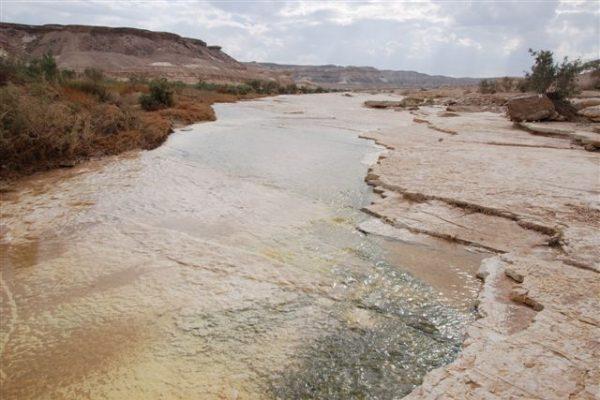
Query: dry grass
[44,125]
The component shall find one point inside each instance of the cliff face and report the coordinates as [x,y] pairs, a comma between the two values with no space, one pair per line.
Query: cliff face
[123,51]
[360,77]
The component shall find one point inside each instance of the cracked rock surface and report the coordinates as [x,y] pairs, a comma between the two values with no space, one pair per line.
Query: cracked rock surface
[532,199]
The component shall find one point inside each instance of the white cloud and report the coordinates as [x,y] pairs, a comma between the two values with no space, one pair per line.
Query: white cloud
[476,38]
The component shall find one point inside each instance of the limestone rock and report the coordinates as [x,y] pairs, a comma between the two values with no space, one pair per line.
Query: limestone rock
[592,113]
[580,104]
[530,108]
[514,275]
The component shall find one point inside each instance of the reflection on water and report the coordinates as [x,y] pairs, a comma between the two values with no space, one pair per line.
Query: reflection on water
[225,264]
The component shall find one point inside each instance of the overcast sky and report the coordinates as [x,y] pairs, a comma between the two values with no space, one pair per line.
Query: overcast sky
[458,38]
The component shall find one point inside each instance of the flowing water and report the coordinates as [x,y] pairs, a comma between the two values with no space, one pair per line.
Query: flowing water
[224,264]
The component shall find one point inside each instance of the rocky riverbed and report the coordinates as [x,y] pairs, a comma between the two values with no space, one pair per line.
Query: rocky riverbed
[226,264]
[234,261]
[533,200]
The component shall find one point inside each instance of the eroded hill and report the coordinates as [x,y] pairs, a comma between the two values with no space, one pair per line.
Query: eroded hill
[124,51]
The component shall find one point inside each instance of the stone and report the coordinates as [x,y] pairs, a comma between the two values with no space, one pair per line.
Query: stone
[580,104]
[514,275]
[592,113]
[535,107]
[521,295]
[382,104]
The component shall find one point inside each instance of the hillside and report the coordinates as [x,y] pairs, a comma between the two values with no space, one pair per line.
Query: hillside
[124,51]
[330,76]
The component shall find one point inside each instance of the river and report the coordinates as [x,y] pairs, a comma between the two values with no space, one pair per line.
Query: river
[225,264]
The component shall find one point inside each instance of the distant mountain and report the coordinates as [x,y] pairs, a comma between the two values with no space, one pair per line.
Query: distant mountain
[123,51]
[334,76]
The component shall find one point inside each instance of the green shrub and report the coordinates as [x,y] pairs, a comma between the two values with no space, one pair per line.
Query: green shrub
[557,80]
[67,75]
[43,68]
[202,85]
[8,70]
[37,69]
[488,86]
[291,89]
[160,96]
[93,74]
[138,79]
[236,89]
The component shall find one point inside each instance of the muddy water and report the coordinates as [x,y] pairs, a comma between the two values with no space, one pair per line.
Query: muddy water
[225,264]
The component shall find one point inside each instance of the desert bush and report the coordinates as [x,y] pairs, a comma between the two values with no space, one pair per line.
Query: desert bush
[202,85]
[9,71]
[264,87]
[137,79]
[235,89]
[95,88]
[37,69]
[94,75]
[291,89]
[160,96]
[546,76]
[67,75]
[108,119]
[488,86]
[43,68]
[34,129]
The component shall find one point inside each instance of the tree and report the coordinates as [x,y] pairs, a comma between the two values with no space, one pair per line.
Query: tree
[556,80]
[487,86]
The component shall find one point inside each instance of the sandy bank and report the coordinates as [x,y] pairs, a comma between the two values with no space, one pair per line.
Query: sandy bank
[533,201]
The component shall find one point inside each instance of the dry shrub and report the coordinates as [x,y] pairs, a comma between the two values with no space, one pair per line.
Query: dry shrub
[78,97]
[34,129]
[188,112]
[125,88]
[108,119]
[44,125]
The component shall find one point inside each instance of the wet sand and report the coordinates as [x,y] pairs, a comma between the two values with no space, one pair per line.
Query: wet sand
[226,264]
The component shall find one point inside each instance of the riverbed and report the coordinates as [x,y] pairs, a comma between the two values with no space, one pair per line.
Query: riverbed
[226,264]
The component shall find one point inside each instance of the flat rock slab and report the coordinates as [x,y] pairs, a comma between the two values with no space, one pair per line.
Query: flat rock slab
[507,189]
[439,219]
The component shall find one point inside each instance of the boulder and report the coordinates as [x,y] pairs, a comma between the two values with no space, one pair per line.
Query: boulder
[382,104]
[408,102]
[534,107]
[411,102]
[580,104]
[592,113]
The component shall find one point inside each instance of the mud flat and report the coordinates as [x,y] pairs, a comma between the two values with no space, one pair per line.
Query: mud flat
[533,201]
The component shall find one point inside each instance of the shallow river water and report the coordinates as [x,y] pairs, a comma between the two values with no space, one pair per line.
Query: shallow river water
[225,264]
